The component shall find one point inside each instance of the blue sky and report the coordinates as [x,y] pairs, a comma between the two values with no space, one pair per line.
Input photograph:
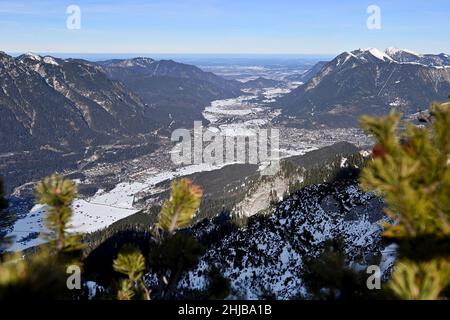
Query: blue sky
[223,26]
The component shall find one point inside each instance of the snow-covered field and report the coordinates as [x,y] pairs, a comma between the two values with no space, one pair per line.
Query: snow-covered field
[230,107]
[98,211]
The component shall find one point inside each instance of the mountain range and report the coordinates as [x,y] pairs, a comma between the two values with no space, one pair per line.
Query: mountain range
[175,93]
[367,81]
[68,104]
[107,106]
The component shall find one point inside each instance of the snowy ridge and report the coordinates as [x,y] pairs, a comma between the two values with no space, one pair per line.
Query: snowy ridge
[394,55]
[135,62]
[33,56]
[377,54]
[394,51]
[50,60]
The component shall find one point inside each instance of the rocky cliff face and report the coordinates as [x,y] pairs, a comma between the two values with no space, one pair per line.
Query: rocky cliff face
[267,257]
[317,166]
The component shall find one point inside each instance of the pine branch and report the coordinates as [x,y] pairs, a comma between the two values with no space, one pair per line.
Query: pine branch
[179,210]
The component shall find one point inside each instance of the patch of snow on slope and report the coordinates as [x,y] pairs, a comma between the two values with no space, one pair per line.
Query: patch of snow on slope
[50,60]
[343,162]
[267,257]
[33,56]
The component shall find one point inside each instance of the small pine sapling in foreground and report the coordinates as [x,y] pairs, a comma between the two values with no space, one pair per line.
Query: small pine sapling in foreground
[410,170]
[57,195]
[131,263]
[7,219]
[171,252]
[3,201]
[42,275]
[180,209]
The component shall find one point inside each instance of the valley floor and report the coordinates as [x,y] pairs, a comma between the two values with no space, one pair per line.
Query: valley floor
[117,184]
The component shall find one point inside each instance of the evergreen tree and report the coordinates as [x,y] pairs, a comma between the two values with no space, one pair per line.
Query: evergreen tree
[180,209]
[57,194]
[3,201]
[171,253]
[6,219]
[329,277]
[131,262]
[43,274]
[219,286]
[410,169]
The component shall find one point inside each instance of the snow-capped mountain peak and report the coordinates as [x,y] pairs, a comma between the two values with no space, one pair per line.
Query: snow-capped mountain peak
[378,54]
[135,62]
[33,56]
[50,60]
[408,56]
[344,57]
[369,55]
[365,77]
[392,52]
[393,55]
